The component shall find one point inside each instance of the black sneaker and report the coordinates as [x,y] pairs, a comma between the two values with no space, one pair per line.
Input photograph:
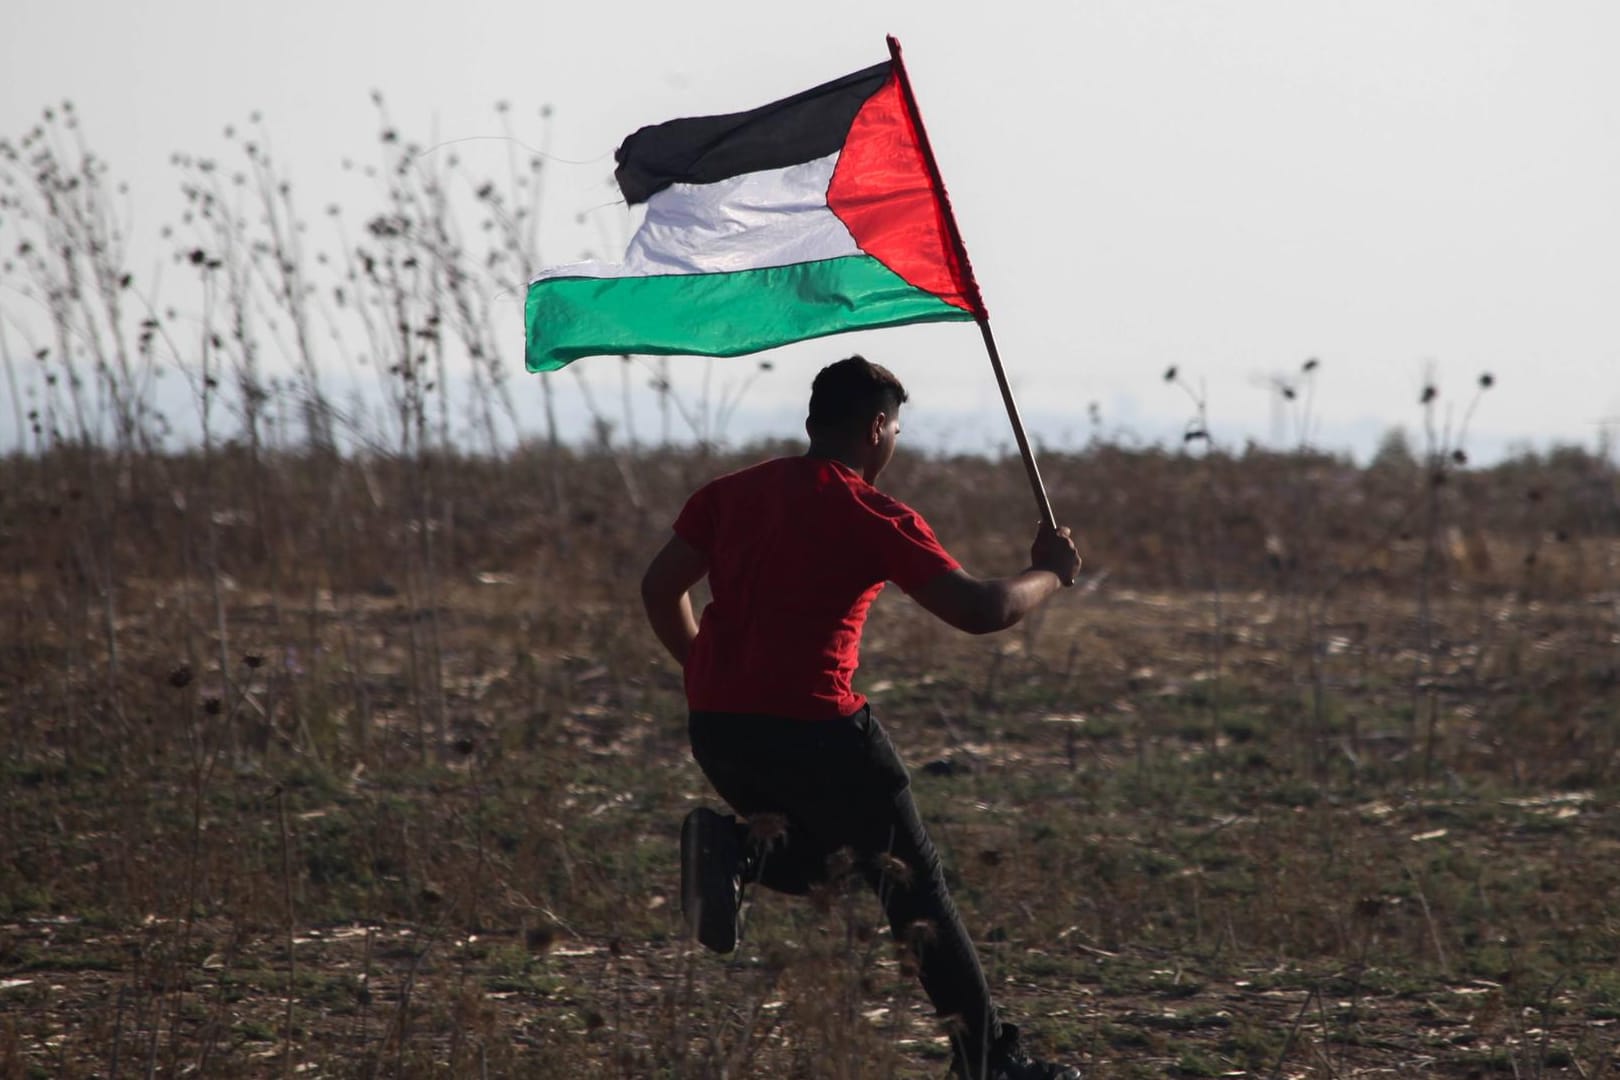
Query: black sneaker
[1009,1060]
[711,885]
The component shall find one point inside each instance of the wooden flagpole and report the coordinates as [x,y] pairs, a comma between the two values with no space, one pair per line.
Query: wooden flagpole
[980,315]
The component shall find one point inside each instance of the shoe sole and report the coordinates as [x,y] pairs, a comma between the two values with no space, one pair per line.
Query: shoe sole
[709,878]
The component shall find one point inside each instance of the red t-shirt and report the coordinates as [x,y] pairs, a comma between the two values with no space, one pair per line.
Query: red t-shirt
[798,548]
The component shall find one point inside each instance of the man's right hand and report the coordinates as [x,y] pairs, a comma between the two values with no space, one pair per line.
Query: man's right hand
[1054,550]
[986,605]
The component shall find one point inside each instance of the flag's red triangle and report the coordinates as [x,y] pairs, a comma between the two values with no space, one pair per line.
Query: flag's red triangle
[882,192]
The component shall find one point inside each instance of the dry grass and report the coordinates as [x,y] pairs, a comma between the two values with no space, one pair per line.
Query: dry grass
[401,831]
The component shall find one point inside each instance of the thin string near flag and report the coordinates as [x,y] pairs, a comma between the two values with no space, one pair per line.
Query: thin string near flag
[544,155]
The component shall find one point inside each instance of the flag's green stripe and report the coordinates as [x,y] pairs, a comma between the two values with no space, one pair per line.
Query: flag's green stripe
[719,314]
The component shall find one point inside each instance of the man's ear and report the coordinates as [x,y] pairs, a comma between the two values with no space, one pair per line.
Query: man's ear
[875,430]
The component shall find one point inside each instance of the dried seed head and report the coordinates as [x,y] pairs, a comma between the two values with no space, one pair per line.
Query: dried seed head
[180,677]
[1486,381]
[893,868]
[1429,394]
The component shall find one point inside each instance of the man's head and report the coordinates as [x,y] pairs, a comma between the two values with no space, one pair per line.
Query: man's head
[855,413]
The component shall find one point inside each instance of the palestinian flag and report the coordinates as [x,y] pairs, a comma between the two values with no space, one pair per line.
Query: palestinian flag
[813,215]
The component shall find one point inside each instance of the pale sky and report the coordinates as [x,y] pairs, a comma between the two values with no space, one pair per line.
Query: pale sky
[1229,187]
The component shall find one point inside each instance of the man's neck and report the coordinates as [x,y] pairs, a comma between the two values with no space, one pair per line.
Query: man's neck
[842,455]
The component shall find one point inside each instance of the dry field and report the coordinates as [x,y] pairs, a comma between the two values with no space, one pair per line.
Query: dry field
[314,783]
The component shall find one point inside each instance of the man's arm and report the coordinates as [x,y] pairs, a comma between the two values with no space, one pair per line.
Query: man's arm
[665,589]
[985,605]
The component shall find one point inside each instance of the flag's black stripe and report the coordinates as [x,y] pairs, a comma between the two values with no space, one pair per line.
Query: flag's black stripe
[703,149]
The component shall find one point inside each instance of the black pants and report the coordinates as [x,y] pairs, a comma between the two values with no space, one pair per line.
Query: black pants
[841,785]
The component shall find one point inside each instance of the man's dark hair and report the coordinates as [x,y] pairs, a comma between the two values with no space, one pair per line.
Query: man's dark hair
[849,393]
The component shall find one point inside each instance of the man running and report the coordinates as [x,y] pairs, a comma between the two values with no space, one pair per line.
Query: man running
[795,550]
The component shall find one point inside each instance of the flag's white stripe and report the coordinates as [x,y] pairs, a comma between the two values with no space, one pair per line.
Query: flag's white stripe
[775,217]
